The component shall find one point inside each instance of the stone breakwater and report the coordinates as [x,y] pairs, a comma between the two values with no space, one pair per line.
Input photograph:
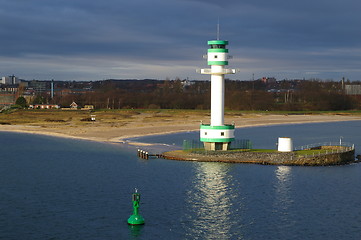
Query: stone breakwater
[336,156]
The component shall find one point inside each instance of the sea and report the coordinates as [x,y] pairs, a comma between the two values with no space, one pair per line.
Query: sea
[58,188]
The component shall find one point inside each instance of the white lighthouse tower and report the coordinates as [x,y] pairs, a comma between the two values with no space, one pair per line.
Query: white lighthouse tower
[217,135]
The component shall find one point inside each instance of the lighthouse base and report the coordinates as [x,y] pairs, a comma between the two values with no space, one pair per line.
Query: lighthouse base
[216,137]
[214,146]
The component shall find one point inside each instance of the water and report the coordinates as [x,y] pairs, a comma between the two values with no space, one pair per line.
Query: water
[54,188]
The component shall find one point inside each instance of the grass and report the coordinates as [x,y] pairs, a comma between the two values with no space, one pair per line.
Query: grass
[341,112]
[263,150]
[311,152]
[48,116]
[201,150]
[299,152]
[114,117]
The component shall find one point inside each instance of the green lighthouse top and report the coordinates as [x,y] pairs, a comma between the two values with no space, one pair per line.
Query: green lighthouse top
[217,42]
[217,46]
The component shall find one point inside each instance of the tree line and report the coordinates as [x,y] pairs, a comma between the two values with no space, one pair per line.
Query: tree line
[289,95]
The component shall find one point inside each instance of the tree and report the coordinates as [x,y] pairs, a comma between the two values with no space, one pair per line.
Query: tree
[39,100]
[21,101]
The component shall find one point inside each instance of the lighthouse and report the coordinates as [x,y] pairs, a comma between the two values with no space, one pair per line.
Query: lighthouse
[217,135]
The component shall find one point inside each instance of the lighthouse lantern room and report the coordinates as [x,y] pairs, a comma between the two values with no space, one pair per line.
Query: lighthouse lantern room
[217,135]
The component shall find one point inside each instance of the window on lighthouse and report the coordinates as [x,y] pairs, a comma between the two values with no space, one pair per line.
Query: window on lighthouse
[218,46]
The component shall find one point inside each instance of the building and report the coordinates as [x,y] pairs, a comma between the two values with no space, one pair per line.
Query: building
[8,94]
[10,80]
[39,87]
[7,99]
[73,105]
[88,107]
[353,89]
[44,106]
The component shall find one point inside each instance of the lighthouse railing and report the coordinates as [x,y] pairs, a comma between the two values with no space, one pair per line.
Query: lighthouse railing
[318,145]
[211,71]
[236,144]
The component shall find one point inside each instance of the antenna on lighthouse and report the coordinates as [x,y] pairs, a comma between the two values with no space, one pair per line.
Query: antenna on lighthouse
[218,30]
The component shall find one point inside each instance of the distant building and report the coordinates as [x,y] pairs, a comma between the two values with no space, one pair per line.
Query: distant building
[64,92]
[73,105]
[88,107]
[44,106]
[353,89]
[10,80]
[7,99]
[268,80]
[8,94]
[186,83]
[39,86]
[9,88]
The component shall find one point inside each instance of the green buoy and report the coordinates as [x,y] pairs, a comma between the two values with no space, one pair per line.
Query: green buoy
[135,218]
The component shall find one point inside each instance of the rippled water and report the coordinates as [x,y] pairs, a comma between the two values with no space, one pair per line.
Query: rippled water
[54,188]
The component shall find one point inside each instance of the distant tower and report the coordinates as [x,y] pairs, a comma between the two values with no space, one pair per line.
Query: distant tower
[217,135]
[52,89]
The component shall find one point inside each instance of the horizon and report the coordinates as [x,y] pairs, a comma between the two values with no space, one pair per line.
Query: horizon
[175,79]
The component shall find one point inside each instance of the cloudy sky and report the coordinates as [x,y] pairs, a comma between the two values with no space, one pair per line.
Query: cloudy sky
[96,40]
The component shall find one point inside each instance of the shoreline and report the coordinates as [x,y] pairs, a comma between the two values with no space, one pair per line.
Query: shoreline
[102,133]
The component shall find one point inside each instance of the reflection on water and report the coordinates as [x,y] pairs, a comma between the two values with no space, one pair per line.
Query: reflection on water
[283,185]
[210,203]
[135,231]
[283,199]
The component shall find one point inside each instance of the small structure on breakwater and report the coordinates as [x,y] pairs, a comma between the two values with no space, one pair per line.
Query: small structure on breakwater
[285,144]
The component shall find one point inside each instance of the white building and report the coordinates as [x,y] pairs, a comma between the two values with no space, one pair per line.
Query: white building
[10,80]
[353,89]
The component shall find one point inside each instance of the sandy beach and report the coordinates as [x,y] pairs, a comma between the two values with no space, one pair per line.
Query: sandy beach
[150,123]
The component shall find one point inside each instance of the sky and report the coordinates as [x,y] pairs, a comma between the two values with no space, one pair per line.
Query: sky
[166,39]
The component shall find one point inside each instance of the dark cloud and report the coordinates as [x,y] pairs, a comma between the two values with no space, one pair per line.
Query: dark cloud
[89,39]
